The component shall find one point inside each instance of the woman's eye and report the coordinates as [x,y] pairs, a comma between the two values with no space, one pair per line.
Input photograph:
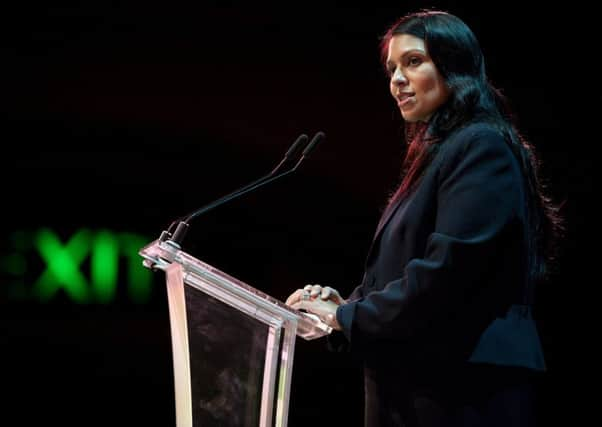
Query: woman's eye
[414,60]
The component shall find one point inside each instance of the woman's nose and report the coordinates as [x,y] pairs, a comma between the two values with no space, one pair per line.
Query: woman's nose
[398,78]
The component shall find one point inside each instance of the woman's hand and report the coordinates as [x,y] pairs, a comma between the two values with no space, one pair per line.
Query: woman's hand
[325,293]
[322,301]
[314,291]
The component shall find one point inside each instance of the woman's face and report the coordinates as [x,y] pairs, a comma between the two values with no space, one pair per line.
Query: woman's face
[415,82]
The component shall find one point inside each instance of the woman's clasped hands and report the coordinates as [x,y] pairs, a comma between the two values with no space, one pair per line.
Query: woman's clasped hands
[322,301]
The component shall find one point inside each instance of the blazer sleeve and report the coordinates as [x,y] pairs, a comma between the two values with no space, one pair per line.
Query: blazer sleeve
[478,197]
[336,341]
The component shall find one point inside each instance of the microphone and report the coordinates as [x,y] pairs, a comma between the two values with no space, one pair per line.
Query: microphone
[178,235]
[301,140]
[294,148]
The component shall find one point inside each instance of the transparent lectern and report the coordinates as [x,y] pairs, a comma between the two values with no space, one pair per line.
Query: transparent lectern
[232,344]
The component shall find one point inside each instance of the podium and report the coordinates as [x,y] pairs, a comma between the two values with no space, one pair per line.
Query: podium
[233,346]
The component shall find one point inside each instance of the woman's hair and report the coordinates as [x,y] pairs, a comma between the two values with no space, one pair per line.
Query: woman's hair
[456,53]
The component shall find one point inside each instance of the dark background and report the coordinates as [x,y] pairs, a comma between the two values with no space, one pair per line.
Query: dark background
[127,115]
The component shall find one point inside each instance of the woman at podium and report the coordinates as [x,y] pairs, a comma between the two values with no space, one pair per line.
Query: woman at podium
[442,320]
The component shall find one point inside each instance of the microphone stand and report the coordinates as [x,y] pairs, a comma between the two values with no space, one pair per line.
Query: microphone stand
[178,235]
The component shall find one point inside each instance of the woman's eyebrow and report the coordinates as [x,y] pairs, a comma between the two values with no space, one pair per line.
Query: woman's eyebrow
[406,53]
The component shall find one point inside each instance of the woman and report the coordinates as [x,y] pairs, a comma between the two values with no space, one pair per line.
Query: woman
[442,319]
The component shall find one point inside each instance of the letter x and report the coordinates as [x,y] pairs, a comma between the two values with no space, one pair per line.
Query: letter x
[62,262]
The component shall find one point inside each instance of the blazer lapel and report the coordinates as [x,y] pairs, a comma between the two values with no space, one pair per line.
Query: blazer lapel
[384,220]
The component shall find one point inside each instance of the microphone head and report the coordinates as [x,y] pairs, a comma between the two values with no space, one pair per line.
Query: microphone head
[301,141]
[318,137]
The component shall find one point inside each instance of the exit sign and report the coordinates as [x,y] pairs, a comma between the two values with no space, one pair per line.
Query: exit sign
[87,267]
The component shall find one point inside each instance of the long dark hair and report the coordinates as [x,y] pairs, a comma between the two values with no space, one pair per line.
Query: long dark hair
[457,55]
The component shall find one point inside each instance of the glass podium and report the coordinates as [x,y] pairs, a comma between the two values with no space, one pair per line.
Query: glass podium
[233,345]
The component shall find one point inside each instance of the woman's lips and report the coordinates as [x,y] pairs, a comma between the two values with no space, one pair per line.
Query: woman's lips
[403,99]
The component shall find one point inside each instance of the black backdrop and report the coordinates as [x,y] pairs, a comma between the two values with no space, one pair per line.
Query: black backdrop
[126,116]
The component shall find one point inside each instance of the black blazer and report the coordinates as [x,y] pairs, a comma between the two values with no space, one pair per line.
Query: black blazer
[445,280]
